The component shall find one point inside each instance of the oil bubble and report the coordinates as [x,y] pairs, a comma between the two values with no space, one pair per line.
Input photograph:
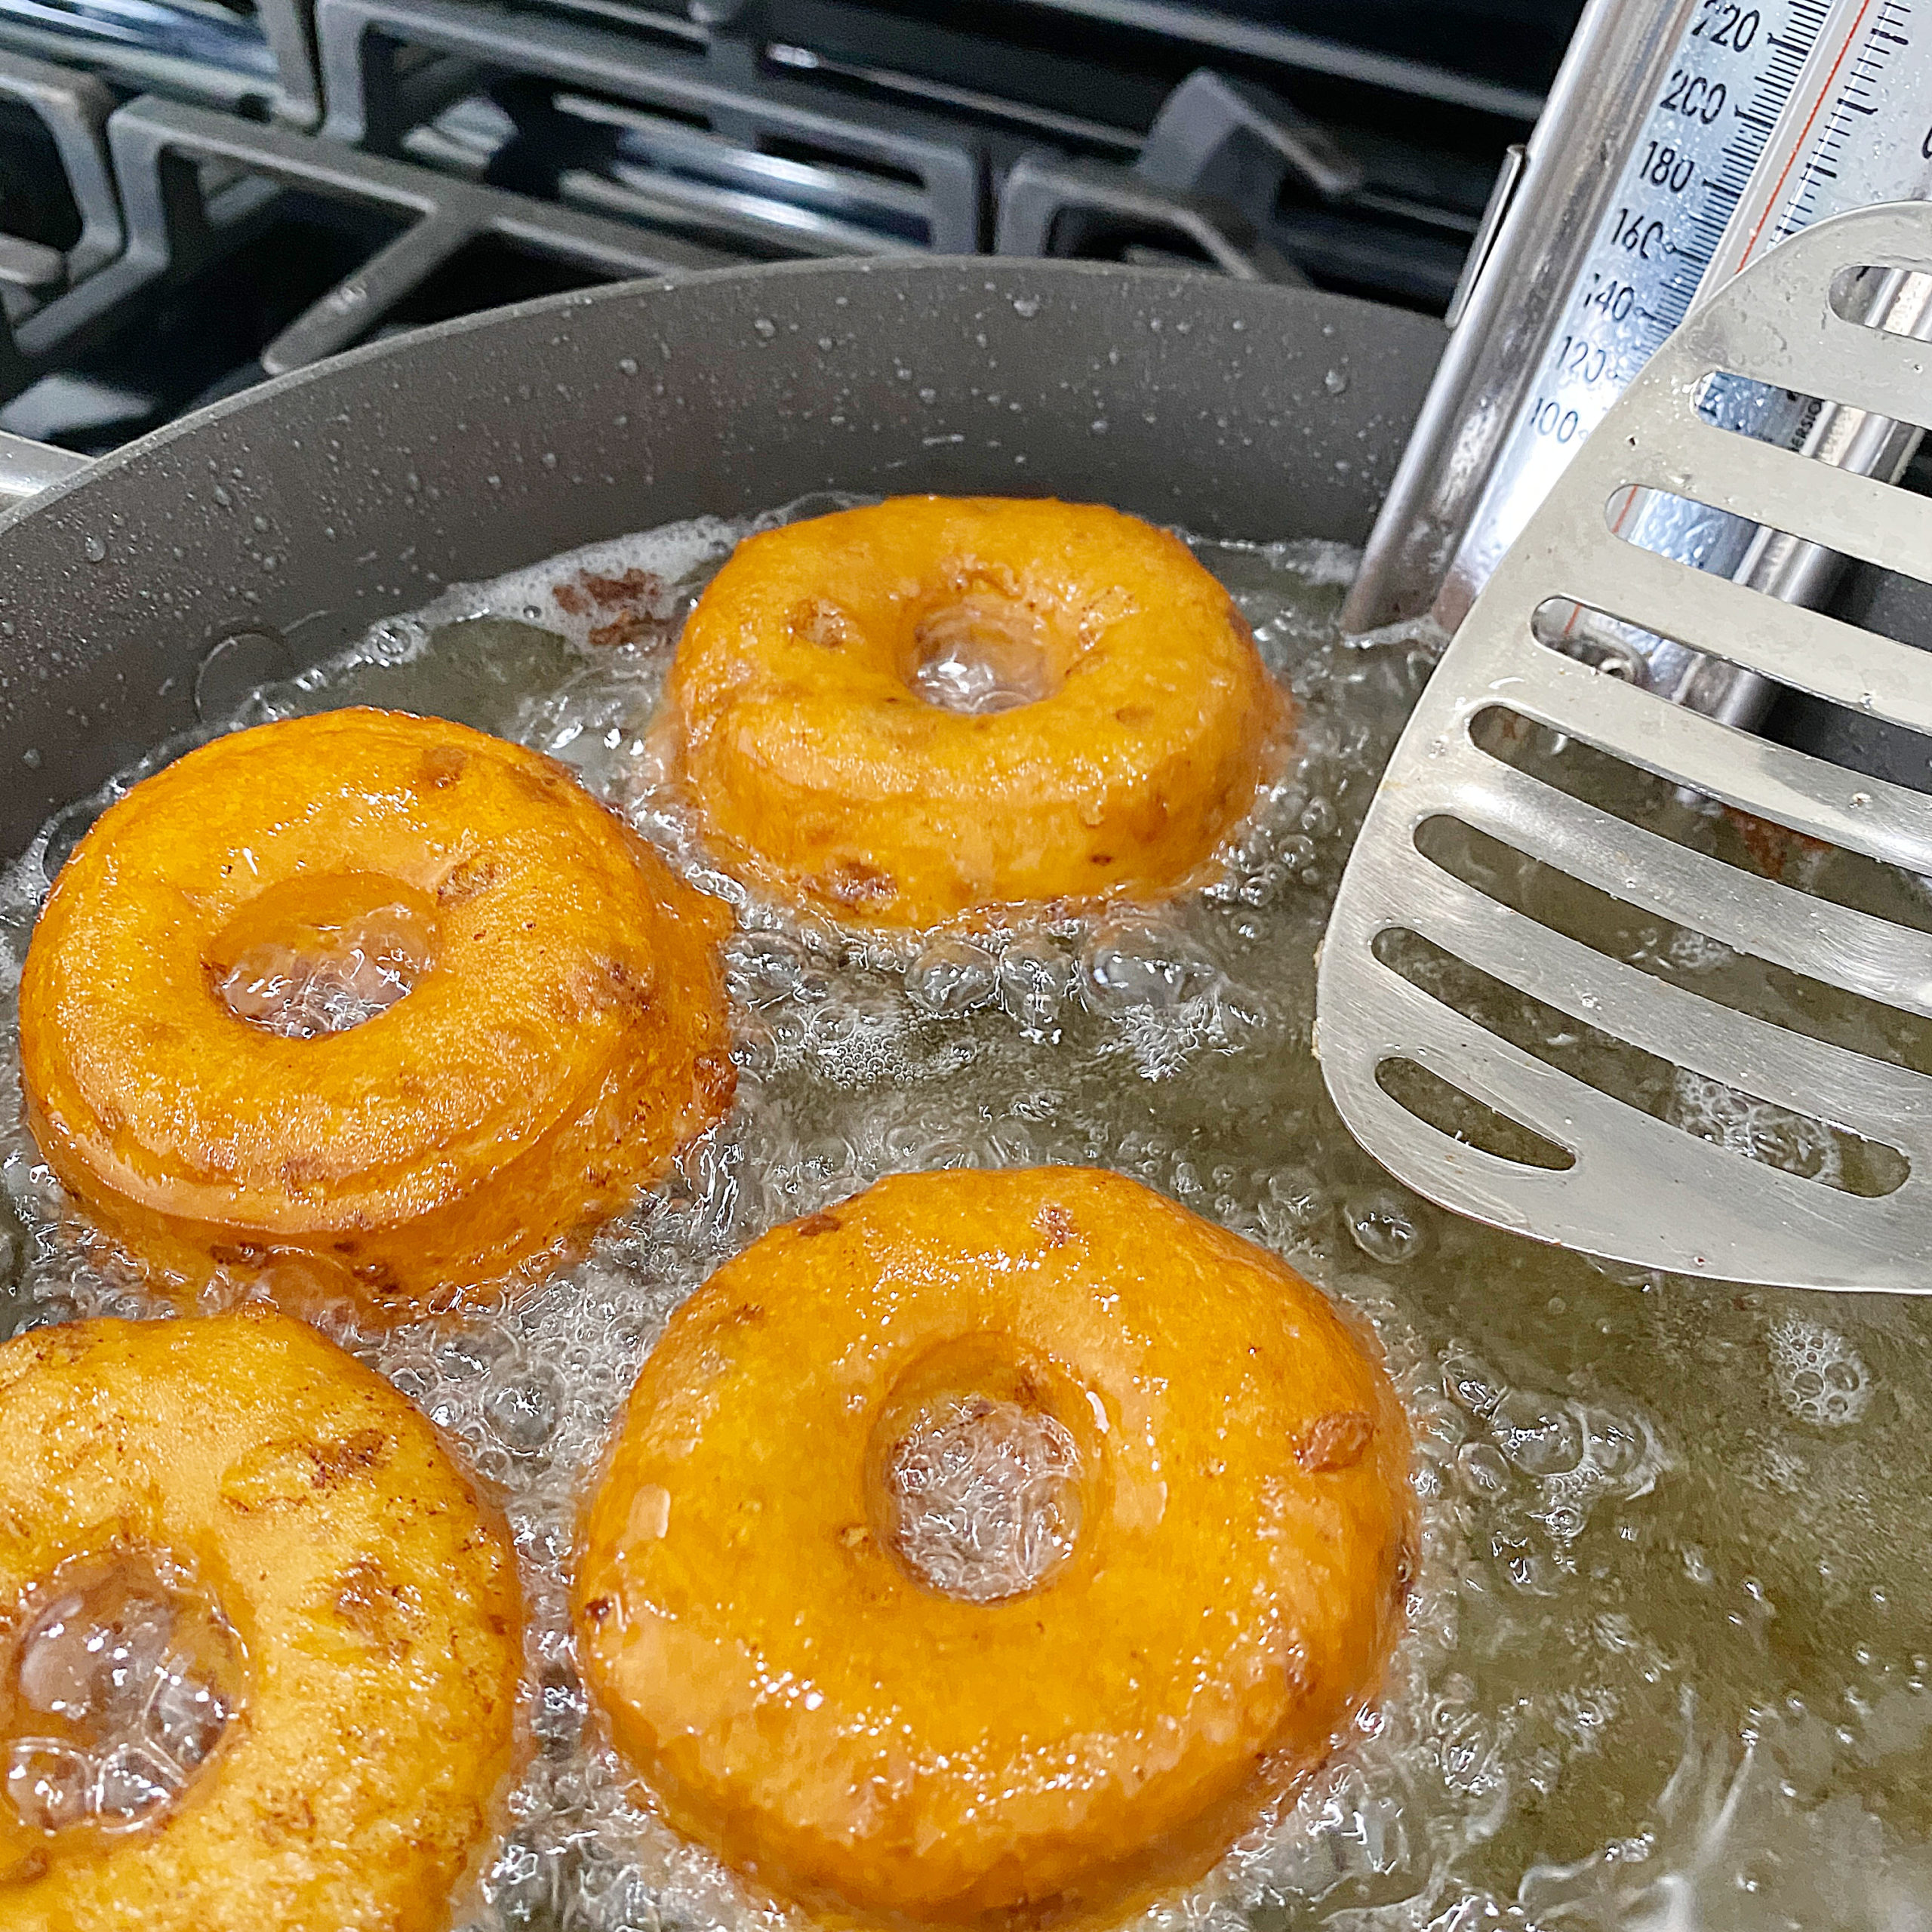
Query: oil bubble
[1820,1377]
[765,966]
[950,976]
[1469,1380]
[1483,1466]
[525,1408]
[1541,1436]
[1385,1228]
[1129,963]
[1035,976]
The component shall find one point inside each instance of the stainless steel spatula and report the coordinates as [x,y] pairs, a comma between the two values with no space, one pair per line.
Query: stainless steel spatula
[1597,1172]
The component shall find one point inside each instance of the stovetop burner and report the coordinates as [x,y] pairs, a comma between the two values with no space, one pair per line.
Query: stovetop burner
[195,194]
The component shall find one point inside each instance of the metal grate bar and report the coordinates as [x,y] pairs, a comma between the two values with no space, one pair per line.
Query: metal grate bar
[177,222]
[265,66]
[73,109]
[362,43]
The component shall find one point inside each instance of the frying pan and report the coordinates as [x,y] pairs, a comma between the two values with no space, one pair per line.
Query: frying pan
[278,525]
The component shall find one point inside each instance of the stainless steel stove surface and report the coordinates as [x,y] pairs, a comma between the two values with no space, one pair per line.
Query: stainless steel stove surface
[195,194]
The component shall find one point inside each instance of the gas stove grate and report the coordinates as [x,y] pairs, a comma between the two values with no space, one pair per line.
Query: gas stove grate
[200,190]
[194,192]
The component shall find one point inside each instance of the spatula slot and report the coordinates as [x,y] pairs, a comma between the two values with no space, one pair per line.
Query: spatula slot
[1701,963]
[1765,412]
[1765,1132]
[1593,636]
[1647,518]
[1870,295]
[1754,842]
[1462,1117]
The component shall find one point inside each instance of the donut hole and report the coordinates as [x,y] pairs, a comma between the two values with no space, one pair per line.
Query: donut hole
[121,1677]
[985,1499]
[979,1474]
[318,954]
[983,650]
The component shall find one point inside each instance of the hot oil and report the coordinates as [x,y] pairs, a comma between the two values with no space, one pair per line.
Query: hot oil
[1667,1658]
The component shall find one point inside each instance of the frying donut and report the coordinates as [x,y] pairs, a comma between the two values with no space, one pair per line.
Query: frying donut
[259,1640]
[904,713]
[989,1550]
[189,1076]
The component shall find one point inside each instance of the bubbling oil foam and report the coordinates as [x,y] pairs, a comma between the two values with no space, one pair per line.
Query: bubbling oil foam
[1667,1651]
[985,1498]
[119,1687]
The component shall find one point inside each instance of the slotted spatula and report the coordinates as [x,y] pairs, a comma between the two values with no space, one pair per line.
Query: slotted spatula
[1638,1189]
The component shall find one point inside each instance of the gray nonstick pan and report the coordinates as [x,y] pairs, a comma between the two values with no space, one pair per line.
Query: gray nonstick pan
[271,528]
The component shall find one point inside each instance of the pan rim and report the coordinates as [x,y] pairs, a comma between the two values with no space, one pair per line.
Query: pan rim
[906,266]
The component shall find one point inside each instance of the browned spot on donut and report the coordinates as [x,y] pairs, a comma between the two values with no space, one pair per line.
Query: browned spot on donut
[610,985]
[856,882]
[854,1535]
[820,621]
[1056,1223]
[1100,859]
[633,986]
[384,1614]
[291,1469]
[818,1224]
[442,766]
[1334,1441]
[571,599]
[542,785]
[746,1312]
[302,1172]
[354,1455]
[225,1254]
[1036,1914]
[598,1609]
[465,880]
[1134,714]
[285,1814]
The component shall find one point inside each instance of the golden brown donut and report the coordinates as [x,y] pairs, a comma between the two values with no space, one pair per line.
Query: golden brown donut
[1200,1528]
[313,1626]
[563,1034]
[1117,719]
